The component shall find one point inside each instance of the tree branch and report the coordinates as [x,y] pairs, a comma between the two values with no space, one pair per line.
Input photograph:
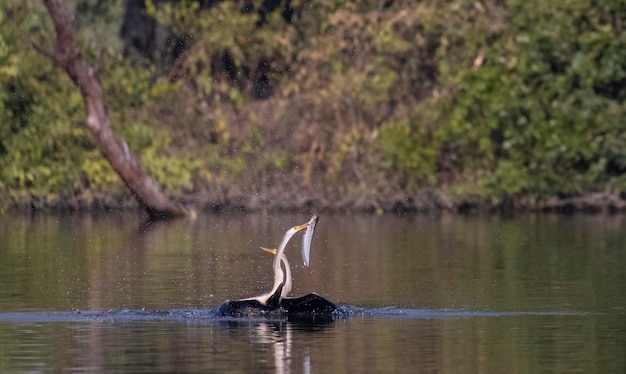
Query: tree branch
[67,55]
[45,53]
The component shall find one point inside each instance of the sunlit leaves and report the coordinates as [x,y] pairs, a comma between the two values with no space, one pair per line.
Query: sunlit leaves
[536,105]
[486,99]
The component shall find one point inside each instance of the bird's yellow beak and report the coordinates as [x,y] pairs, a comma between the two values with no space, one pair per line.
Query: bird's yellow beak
[270,250]
[312,222]
[301,227]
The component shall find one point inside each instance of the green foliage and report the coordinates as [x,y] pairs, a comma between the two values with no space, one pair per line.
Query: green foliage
[408,145]
[174,173]
[546,100]
[44,146]
[39,145]
[482,100]
[234,38]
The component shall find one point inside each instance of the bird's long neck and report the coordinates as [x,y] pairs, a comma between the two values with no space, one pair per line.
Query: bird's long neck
[278,257]
[278,280]
[288,282]
[281,250]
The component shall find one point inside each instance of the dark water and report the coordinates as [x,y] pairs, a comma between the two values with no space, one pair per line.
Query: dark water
[88,293]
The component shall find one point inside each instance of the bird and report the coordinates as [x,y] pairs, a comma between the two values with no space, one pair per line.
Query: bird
[311,304]
[267,302]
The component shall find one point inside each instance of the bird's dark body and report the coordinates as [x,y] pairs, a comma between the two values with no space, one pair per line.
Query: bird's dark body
[250,307]
[309,305]
[243,308]
[312,303]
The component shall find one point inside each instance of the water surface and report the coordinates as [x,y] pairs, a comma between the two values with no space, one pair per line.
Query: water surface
[105,292]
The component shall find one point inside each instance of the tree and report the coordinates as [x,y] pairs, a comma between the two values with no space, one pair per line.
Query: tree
[114,149]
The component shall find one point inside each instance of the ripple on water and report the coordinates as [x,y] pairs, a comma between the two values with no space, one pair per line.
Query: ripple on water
[210,315]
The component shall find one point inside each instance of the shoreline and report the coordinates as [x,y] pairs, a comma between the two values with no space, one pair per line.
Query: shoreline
[423,202]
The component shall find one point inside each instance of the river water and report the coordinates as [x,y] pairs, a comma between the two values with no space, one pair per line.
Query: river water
[423,293]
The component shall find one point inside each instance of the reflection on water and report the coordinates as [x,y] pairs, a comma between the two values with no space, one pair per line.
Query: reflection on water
[534,293]
[528,343]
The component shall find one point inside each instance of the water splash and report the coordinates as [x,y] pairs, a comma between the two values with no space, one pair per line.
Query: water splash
[210,315]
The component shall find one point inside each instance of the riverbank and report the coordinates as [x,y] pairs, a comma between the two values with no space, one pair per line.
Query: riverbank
[426,201]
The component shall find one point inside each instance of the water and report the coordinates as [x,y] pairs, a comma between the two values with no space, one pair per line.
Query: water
[105,293]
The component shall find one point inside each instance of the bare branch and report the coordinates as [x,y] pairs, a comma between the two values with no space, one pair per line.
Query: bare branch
[45,53]
[115,151]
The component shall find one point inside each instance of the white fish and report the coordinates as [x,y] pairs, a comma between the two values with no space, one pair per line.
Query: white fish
[307,238]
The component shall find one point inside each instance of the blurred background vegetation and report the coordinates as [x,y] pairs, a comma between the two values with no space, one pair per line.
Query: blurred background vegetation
[330,103]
